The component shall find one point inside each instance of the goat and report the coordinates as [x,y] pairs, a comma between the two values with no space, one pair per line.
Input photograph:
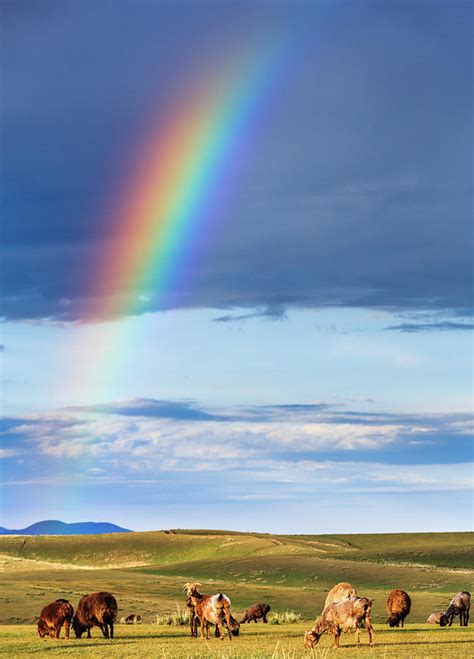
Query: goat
[254,612]
[398,607]
[53,616]
[215,610]
[459,606]
[98,609]
[193,597]
[340,592]
[345,616]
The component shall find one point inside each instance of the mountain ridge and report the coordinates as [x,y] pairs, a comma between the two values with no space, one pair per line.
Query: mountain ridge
[56,527]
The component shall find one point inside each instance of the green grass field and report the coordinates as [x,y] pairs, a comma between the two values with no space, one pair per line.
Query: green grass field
[145,571]
[277,642]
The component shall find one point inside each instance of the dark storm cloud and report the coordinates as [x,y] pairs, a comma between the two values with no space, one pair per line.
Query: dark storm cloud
[354,183]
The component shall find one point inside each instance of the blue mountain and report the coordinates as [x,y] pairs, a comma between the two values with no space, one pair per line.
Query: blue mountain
[55,527]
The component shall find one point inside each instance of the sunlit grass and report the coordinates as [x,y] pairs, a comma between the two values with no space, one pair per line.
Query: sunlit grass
[255,641]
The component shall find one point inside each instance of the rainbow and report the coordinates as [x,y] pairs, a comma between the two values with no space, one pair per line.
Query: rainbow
[177,181]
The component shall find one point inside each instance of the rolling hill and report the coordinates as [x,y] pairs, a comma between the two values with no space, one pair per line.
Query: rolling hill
[146,571]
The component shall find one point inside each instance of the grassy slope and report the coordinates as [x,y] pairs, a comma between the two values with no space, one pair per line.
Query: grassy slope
[146,570]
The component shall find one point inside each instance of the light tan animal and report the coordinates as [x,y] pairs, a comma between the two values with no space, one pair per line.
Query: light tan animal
[434,618]
[340,592]
[343,617]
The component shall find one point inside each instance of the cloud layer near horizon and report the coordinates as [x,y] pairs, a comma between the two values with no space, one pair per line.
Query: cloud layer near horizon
[143,436]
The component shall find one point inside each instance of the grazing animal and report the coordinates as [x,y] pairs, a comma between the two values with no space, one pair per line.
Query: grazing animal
[192,617]
[340,592]
[133,619]
[53,616]
[98,609]
[254,612]
[398,607]
[194,596]
[213,609]
[342,617]
[459,606]
[434,618]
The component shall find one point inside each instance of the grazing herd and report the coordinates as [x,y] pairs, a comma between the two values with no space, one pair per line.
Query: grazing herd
[96,610]
[344,611]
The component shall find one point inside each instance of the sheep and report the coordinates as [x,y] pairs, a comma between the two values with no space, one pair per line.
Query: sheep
[345,616]
[434,618]
[339,593]
[398,607]
[215,610]
[53,616]
[459,606]
[133,619]
[98,609]
[254,612]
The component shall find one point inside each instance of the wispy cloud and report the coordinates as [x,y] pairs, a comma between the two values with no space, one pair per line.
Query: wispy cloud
[272,312]
[116,440]
[441,326]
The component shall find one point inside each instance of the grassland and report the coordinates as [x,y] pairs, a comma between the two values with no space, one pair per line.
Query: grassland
[146,572]
[259,641]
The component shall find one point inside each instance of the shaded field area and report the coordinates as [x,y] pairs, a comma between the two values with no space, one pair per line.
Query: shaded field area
[259,641]
[146,571]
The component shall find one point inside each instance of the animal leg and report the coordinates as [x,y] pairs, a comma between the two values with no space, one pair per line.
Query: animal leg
[111,625]
[103,629]
[67,625]
[265,618]
[357,632]
[337,634]
[220,630]
[57,630]
[370,629]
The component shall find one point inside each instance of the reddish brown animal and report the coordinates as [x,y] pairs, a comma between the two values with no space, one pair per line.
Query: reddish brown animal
[53,616]
[459,606]
[254,612]
[340,592]
[398,607]
[96,610]
[343,617]
[191,587]
[212,610]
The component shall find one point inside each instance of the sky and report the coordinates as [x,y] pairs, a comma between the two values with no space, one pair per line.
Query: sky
[237,265]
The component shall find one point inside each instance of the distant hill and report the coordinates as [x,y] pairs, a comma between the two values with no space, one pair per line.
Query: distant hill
[55,527]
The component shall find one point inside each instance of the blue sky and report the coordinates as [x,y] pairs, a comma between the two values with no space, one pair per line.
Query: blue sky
[314,356]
